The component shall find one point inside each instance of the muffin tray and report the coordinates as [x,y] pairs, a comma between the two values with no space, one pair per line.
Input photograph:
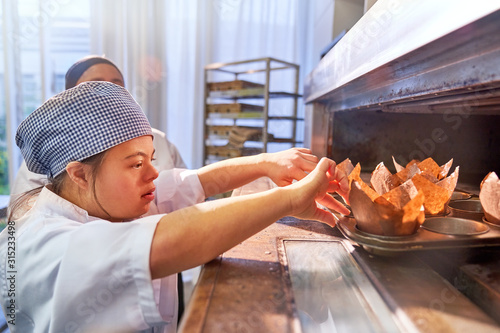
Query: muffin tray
[435,233]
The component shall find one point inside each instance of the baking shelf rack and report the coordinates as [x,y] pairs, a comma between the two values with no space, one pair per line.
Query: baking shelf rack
[238,113]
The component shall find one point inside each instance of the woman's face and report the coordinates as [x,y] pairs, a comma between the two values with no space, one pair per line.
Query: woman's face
[124,184]
[102,72]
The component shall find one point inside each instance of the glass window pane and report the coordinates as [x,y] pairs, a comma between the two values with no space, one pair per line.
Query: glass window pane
[44,39]
[4,167]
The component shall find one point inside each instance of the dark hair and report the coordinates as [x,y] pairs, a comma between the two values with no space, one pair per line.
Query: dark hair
[76,71]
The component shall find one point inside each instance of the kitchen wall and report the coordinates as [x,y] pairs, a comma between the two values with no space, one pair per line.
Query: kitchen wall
[332,17]
[346,14]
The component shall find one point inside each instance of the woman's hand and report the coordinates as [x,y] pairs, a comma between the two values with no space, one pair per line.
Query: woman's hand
[305,195]
[286,166]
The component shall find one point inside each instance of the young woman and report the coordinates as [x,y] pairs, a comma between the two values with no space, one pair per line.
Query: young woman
[167,156]
[96,253]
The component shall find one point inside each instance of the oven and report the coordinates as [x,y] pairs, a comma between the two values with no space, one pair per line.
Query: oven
[412,80]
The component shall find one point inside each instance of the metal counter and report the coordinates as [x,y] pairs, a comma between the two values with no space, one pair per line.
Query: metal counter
[303,276]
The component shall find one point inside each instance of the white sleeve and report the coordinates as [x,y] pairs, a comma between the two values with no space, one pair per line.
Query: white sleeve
[105,269]
[176,189]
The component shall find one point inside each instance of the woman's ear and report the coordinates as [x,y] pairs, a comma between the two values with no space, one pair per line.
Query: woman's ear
[77,172]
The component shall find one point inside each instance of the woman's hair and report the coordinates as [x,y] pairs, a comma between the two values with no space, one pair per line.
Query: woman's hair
[24,202]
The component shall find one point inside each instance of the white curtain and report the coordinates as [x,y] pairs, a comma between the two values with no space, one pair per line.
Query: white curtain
[11,84]
[163,46]
[37,46]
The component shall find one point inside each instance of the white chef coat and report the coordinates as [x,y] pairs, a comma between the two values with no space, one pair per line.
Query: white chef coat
[166,157]
[76,273]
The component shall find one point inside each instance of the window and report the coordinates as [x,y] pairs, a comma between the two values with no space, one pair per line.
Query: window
[40,40]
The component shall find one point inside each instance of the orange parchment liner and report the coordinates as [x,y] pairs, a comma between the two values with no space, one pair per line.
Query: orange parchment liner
[489,195]
[432,180]
[396,204]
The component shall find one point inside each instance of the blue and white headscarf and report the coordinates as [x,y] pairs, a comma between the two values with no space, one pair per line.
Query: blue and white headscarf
[78,123]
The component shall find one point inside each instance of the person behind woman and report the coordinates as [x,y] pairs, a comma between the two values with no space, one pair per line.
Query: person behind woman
[96,253]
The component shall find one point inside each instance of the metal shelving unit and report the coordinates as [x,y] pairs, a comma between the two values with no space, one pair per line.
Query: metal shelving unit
[244,98]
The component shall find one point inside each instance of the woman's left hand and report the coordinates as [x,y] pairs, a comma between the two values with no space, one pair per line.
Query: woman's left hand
[315,189]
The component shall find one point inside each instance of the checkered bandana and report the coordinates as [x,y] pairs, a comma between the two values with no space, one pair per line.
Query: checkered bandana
[79,123]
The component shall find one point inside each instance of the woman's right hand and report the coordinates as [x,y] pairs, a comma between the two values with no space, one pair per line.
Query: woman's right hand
[306,194]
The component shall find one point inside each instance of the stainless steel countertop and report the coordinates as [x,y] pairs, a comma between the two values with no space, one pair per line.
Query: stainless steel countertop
[249,288]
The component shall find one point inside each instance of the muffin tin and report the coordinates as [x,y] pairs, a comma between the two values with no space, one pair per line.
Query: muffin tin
[464,226]
[460,195]
[455,226]
[468,209]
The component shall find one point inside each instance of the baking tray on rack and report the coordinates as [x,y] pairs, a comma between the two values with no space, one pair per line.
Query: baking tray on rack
[233,85]
[423,239]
